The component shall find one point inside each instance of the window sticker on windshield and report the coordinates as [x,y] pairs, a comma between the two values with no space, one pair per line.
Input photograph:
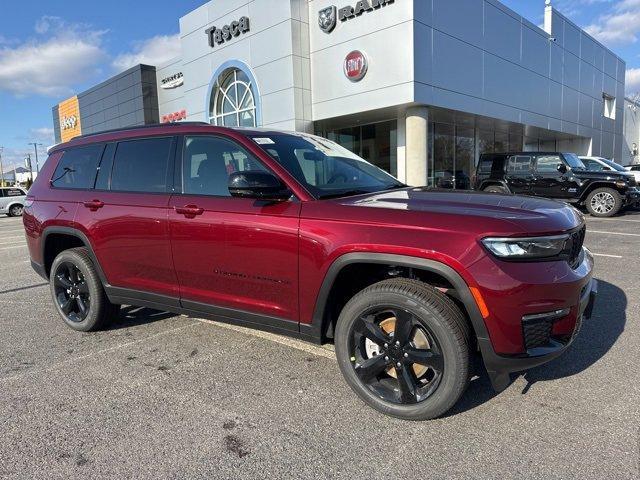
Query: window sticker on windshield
[263,141]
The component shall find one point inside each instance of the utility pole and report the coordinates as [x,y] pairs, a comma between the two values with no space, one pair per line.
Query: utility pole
[1,169]
[27,162]
[35,147]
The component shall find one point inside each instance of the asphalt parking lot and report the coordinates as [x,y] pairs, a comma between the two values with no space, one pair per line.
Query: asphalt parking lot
[164,396]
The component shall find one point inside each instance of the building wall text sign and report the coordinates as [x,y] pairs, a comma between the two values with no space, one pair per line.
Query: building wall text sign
[68,122]
[218,36]
[328,17]
[174,117]
[172,81]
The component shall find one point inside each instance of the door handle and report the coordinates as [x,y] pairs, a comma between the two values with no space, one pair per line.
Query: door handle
[189,211]
[93,205]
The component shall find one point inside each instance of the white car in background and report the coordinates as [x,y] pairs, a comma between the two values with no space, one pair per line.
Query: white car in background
[12,201]
[599,164]
[635,169]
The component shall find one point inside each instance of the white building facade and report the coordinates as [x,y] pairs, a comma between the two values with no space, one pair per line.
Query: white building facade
[419,87]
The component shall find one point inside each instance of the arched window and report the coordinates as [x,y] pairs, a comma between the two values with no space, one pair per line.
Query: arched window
[232,103]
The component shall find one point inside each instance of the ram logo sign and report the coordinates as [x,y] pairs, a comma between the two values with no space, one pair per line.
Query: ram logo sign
[328,17]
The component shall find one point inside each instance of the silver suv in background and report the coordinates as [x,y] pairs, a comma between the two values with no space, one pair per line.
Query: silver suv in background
[12,201]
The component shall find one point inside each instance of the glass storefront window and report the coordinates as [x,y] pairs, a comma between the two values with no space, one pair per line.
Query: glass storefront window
[485,142]
[515,143]
[501,144]
[232,103]
[376,142]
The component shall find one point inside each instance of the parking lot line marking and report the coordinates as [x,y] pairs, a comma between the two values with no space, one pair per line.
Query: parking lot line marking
[8,242]
[12,236]
[2,230]
[614,220]
[605,255]
[15,246]
[286,341]
[615,233]
[96,353]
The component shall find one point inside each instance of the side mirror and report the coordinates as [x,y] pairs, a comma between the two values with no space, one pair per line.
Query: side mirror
[259,185]
[562,168]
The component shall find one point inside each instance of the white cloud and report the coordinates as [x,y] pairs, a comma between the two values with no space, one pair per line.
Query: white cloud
[621,27]
[61,56]
[152,51]
[633,81]
[45,135]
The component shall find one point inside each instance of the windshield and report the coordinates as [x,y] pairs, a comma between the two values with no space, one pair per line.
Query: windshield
[325,168]
[573,161]
[614,165]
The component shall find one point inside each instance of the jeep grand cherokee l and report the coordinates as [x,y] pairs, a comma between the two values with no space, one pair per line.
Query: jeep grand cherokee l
[560,176]
[292,233]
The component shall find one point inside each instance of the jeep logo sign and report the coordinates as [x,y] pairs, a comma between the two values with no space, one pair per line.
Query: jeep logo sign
[68,122]
[218,36]
[327,16]
[355,66]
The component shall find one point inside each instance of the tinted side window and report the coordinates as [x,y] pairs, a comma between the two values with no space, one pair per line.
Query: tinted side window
[519,164]
[141,165]
[77,167]
[13,192]
[592,165]
[548,164]
[104,170]
[208,161]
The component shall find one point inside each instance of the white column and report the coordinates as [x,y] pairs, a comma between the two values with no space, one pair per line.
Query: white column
[417,131]
[401,147]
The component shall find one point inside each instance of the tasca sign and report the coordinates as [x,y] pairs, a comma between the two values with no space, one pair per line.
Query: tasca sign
[218,36]
[328,17]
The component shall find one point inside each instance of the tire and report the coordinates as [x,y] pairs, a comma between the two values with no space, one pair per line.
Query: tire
[496,189]
[604,202]
[15,211]
[74,281]
[427,393]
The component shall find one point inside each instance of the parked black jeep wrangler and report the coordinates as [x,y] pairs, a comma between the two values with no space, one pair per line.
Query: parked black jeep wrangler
[560,176]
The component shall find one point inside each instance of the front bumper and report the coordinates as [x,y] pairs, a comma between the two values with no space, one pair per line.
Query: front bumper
[500,366]
[632,196]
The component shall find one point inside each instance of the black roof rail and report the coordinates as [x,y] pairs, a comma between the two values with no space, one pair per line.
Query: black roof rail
[141,127]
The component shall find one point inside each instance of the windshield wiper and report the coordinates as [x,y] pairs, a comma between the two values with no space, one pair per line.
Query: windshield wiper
[343,193]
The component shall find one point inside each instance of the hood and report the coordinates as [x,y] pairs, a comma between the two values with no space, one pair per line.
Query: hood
[610,175]
[483,210]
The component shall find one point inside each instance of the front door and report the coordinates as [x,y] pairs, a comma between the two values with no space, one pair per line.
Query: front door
[231,254]
[548,181]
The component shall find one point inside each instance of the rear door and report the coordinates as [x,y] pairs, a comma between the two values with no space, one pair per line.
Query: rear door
[234,253]
[3,200]
[125,215]
[519,174]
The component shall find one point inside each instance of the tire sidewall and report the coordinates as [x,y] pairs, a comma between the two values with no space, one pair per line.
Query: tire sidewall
[12,213]
[441,400]
[495,189]
[617,199]
[93,285]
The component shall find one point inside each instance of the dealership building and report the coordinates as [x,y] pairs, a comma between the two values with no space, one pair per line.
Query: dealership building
[418,87]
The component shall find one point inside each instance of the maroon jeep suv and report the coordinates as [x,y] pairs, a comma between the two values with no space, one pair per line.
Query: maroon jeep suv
[292,233]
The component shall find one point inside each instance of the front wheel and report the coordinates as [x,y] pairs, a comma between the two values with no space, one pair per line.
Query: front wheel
[78,293]
[604,202]
[403,347]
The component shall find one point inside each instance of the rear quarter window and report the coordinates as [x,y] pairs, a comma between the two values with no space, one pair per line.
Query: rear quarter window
[13,192]
[77,168]
[519,164]
[141,165]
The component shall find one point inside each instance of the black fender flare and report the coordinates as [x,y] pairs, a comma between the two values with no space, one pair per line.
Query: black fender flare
[74,232]
[461,287]
[599,184]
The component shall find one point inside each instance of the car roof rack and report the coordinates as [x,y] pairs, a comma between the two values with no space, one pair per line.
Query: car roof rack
[142,127]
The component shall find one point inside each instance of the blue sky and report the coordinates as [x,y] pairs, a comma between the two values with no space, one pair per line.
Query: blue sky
[50,50]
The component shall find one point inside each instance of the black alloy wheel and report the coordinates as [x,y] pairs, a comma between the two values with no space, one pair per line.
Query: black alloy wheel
[395,356]
[404,348]
[71,292]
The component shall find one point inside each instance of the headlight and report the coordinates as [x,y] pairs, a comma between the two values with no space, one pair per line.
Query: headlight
[526,248]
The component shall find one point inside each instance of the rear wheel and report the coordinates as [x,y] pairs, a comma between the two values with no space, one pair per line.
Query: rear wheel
[78,293]
[403,347]
[604,202]
[495,189]
[15,211]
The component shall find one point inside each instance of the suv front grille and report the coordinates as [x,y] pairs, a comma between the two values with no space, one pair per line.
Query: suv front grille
[574,246]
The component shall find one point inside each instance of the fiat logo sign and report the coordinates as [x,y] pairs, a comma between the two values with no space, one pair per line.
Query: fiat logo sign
[355,65]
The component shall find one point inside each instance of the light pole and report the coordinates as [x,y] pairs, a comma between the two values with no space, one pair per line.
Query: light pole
[35,147]
[27,163]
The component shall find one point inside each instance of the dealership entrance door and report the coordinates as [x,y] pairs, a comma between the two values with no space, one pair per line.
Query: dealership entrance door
[376,142]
